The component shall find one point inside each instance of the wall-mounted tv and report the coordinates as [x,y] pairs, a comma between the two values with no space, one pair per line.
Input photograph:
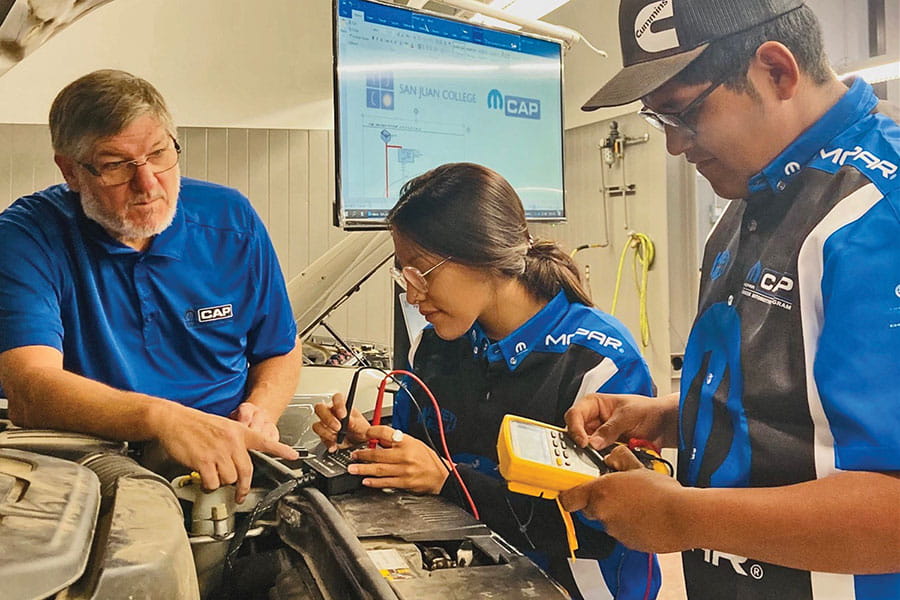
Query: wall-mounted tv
[414,90]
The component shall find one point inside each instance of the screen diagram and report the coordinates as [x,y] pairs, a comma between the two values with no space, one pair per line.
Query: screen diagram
[416,91]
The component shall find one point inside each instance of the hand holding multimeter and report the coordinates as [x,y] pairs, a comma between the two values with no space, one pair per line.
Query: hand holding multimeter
[390,459]
[542,460]
[334,430]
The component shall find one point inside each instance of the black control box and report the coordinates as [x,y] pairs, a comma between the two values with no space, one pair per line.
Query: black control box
[327,472]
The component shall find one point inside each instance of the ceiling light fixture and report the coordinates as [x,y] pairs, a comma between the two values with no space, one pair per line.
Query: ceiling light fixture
[568,36]
[529,9]
[874,70]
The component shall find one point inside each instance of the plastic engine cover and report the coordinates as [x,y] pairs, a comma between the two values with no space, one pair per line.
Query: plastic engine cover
[146,553]
[48,509]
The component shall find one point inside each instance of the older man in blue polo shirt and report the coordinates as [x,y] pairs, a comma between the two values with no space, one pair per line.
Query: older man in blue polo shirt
[139,305]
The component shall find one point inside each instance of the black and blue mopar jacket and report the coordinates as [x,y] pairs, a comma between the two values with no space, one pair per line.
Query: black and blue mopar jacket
[565,351]
[791,370]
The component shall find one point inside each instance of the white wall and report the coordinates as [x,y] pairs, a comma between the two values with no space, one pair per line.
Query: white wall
[219,63]
[238,63]
[845,27]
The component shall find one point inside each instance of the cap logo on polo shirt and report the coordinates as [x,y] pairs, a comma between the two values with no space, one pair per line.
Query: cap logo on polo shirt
[214,313]
[655,41]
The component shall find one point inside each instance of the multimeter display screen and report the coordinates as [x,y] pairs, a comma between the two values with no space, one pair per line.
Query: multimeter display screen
[530,442]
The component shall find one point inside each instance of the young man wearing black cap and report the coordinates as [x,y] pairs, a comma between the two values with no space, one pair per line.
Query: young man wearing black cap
[788,419]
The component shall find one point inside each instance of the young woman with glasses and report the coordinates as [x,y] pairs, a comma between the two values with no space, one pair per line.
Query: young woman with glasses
[511,330]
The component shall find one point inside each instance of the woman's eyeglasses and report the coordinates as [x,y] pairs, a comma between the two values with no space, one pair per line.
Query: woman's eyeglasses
[411,277]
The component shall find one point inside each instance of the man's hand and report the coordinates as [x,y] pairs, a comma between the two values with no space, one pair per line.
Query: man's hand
[43,394]
[602,419]
[257,419]
[214,446]
[634,504]
[329,423]
[402,461]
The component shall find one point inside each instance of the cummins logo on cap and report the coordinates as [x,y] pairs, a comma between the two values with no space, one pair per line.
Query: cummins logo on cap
[647,31]
[660,38]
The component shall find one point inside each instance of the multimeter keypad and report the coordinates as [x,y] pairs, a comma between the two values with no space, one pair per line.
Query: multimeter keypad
[562,457]
[558,442]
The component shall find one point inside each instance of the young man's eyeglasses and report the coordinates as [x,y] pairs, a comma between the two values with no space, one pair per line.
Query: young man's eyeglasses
[683,120]
[121,171]
[411,277]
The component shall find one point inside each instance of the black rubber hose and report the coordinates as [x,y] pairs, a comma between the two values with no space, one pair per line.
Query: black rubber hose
[110,467]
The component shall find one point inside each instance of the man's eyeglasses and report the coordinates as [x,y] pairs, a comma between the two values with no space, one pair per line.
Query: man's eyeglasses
[411,277]
[684,120]
[122,171]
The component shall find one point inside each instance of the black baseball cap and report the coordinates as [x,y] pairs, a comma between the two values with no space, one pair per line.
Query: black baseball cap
[660,38]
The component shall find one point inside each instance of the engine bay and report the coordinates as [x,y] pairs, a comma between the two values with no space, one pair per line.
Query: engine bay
[83,517]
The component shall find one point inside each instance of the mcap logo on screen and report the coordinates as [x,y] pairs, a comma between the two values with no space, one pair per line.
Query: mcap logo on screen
[514,106]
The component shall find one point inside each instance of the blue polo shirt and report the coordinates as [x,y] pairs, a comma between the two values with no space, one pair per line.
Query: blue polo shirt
[182,320]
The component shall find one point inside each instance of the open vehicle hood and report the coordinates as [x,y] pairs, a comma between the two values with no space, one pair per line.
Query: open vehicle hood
[26,24]
[336,275]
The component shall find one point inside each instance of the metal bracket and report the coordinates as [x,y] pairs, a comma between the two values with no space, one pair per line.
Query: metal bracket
[616,190]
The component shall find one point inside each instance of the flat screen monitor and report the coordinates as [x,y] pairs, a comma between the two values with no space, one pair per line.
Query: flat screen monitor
[415,90]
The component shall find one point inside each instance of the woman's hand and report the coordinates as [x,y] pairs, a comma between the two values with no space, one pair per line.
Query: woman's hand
[401,461]
[329,423]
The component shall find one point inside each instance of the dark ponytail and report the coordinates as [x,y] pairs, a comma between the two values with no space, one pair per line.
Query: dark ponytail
[472,214]
[548,268]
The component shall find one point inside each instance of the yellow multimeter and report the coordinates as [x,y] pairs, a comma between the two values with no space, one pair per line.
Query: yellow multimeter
[541,460]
